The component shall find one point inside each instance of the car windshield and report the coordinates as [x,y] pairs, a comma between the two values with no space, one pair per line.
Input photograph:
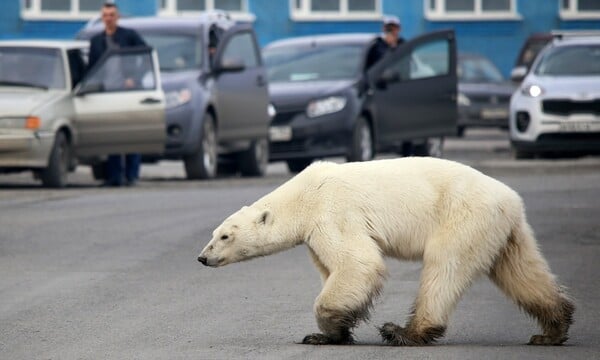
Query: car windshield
[18,67]
[309,63]
[476,70]
[176,52]
[572,60]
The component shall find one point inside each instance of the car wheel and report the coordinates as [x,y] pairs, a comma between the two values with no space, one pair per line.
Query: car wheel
[523,155]
[254,161]
[203,163]
[55,174]
[297,165]
[431,147]
[362,142]
[99,170]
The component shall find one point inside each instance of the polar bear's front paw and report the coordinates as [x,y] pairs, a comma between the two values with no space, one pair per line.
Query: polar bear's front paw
[322,339]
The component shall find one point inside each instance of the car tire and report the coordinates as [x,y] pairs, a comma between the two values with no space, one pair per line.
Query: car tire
[362,148]
[297,165]
[254,161]
[523,154]
[203,163]
[99,170]
[56,173]
[433,147]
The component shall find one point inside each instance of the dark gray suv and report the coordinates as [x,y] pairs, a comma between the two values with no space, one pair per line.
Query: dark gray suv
[216,92]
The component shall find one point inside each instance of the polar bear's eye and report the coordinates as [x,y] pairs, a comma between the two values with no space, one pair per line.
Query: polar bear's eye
[224,237]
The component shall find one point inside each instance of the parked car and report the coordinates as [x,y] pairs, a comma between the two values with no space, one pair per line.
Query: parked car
[556,109]
[327,104]
[483,93]
[217,103]
[53,117]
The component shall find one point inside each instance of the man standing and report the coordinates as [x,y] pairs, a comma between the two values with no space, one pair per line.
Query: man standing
[115,37]
[390,40]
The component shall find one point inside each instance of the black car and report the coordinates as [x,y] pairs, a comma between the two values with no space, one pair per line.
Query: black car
[328,104]
[483,93]
[216,99]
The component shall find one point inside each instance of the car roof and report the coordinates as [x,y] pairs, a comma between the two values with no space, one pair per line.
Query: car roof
[328,39]
[39,43]
[577,40]
[179,24]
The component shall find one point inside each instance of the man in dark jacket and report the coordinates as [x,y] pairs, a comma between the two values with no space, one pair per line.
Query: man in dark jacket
[115,37]
[390,40]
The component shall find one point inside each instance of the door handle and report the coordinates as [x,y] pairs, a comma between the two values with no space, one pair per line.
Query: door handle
[150,100]
[260,81]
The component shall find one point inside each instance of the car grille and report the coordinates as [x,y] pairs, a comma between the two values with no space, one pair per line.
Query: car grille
[490,99]
[287,146]
[567,107]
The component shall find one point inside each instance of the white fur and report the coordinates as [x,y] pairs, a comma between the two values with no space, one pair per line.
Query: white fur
[454,218]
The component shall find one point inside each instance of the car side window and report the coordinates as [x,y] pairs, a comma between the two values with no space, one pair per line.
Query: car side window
[127,71]
[241,47]
[426,60]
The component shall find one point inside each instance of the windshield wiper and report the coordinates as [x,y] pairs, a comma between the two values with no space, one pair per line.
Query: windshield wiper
[24,84]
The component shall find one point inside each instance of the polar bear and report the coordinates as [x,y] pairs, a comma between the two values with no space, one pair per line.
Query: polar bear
[458,221]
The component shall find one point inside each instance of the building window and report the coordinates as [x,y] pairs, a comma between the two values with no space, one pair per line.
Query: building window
[579,9]
[335,9]
[60,9]
[238,9]
[461,10]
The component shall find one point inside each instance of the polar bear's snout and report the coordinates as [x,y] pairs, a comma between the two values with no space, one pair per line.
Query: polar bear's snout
[203,260]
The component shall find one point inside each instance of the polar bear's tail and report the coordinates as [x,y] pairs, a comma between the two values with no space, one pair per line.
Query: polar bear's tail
[523,274]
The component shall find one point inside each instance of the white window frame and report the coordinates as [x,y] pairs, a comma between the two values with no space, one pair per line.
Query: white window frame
[35,12]
[439,13]
[572,12]
[170,9]
[305,14]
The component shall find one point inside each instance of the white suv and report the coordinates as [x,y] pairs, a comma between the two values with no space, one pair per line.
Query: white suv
[556,110]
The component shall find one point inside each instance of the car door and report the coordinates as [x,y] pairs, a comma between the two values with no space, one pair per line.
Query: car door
[241,86]
[414,89]
[120,106]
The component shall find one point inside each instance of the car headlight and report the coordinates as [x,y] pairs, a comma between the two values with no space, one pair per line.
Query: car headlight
[31,123]
[325,106]
[271,111]
[463,100]
[177,97]
[532,90]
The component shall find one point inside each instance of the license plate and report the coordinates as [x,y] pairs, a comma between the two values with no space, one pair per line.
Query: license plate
[280,133]
[580,126]
[494,114]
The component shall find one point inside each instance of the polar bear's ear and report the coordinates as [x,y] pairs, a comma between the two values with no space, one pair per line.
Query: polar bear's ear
[265,218]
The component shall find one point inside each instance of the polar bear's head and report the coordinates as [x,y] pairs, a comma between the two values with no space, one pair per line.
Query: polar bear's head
[242,236]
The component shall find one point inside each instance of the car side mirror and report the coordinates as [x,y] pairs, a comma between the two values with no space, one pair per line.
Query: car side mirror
[518,73]
[90,88]
[387,77]
[230,65]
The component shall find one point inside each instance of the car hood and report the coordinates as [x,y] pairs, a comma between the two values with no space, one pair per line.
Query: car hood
[295,94]
[178,79]
[568,86]
[487,88]
[18,102]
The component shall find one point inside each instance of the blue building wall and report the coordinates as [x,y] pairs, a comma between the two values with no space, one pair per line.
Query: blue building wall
[499,40]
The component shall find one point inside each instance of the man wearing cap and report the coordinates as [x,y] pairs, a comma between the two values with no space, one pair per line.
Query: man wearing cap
[389,41]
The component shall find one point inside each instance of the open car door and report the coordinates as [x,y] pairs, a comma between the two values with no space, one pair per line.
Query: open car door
[241,82]
[414,89]
[120,105]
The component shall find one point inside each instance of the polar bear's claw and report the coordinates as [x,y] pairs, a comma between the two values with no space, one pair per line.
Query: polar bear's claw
[398,336]
[322,339]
